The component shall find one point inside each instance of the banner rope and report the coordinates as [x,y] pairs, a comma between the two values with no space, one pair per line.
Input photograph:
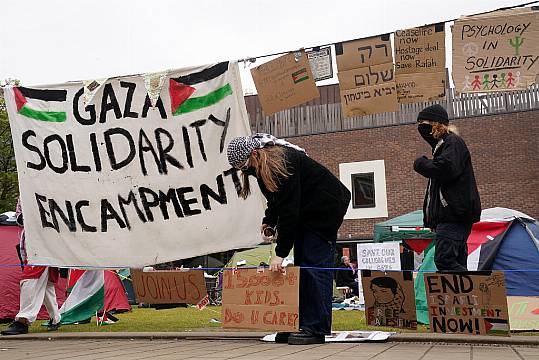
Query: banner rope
[253,59]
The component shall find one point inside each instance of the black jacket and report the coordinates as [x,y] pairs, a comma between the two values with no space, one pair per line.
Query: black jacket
[451,194]
[345,277]
[311,197]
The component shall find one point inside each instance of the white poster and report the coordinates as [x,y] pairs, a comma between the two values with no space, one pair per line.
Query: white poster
[120,182]
[377,256]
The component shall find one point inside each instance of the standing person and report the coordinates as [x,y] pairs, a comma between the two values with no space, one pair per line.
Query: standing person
[452,201]
[37,288]
[306,203]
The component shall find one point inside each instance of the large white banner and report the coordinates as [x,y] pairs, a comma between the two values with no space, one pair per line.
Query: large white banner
[132,171]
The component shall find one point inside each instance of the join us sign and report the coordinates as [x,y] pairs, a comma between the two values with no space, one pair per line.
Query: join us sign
[132,171]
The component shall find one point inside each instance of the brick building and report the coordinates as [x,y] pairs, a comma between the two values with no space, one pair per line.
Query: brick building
[501,131]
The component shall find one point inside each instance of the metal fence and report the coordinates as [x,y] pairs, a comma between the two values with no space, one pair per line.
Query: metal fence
[325,114]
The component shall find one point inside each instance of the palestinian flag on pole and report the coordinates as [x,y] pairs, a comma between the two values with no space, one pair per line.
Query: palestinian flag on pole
[86,298]
[199,90]
[39,104]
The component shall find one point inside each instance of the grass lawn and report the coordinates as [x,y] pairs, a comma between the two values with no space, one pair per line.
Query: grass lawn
[186,319]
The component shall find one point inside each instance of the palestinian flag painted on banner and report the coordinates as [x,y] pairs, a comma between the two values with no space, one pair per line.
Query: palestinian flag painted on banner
[300,75]
[86,298]
[39,104]
[199,90]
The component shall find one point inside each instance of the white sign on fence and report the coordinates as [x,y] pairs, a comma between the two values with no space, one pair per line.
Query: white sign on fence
[135,175]
[379,256]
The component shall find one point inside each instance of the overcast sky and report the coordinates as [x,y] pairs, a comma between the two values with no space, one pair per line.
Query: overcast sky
[53,41]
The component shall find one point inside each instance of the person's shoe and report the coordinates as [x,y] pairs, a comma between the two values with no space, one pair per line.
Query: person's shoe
[52,327]
[305,338]
[282,337]
[16,328]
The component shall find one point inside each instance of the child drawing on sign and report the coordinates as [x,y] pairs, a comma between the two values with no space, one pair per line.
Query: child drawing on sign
[466,83]
[510,80]
[503,83]
[517,79]
[486,82]
[495,81]
[476,83]
[388,295]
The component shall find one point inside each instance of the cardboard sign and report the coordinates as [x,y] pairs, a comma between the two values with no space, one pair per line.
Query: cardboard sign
[418,87]
[369,100]
[523,312]
[420,64]
[284,82]
[169,287]
[321,63]
[420,50]
[467,303]
[261,299]
[496,51]
[389,298]
[379,256]
[363,52]
[366,78]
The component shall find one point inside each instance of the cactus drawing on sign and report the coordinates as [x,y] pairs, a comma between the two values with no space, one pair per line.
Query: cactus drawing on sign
[518,42]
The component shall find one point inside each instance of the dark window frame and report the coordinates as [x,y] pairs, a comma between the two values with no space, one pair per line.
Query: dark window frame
[363,175]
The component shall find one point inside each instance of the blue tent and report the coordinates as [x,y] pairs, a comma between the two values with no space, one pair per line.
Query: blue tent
[518,249]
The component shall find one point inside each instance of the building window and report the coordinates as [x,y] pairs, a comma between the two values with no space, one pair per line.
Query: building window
[363,190]
[366,180]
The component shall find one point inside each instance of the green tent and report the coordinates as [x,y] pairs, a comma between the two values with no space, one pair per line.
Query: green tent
[410,226]
[402,227]
[254,256]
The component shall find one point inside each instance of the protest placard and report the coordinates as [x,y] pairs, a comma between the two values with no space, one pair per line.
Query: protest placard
[420,63]
[389,298]
[120,182]
[379,256]
[169,286]
[467,303]
[321,63]
[284,82]
[496,51]
[261,299]
[523,312]
[418,87]
[366,76]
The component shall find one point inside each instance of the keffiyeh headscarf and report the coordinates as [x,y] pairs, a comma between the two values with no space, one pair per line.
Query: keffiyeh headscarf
[240,148]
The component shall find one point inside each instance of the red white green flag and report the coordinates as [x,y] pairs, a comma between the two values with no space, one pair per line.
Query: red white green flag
[40,104]
[199,90]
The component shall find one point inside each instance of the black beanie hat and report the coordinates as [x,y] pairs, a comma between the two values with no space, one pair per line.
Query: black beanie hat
[435,113]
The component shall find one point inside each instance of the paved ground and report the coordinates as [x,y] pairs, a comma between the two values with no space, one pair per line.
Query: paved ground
[86,349]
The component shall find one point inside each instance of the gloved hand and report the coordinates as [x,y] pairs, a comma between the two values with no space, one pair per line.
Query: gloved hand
[277,264]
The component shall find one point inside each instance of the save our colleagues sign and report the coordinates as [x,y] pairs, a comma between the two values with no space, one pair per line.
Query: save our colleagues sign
[136,174]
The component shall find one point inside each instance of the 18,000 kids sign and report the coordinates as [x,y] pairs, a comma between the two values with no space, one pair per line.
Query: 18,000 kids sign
[129,173]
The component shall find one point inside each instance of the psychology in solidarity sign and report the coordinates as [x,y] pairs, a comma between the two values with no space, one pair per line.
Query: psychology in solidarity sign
[496,51]
[131,171]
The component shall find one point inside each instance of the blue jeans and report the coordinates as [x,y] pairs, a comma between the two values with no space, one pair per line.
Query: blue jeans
[315,286]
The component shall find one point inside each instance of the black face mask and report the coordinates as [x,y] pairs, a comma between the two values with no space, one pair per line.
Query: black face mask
[425,132]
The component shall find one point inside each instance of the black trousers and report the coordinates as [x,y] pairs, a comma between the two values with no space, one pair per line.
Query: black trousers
[315,286]
[451,252]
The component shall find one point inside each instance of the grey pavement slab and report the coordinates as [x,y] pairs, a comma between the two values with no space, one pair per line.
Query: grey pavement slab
[90,349]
